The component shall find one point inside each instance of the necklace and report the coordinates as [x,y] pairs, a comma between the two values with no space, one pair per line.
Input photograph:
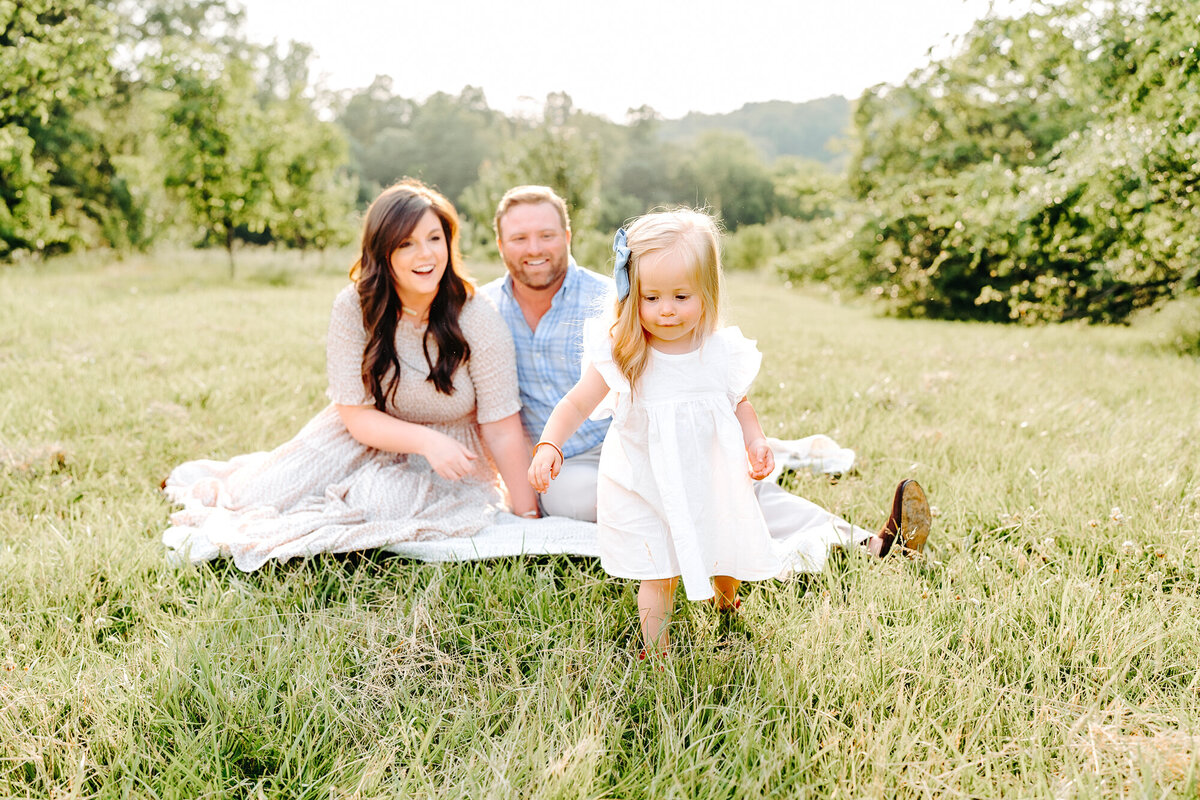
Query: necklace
[413,317]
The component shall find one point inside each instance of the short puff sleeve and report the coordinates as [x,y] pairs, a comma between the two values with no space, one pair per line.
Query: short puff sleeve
[493,361]
[597,352]
[742,361]
[344,348]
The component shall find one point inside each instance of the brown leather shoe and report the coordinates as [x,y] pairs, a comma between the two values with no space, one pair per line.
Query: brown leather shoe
[909,521]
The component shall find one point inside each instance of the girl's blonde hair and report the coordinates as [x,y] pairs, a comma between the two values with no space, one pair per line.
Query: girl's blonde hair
[685,233]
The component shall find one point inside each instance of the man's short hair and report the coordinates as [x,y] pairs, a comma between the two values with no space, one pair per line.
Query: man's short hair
[531,194]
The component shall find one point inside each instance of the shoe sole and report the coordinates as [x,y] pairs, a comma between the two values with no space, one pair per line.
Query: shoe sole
[915,517]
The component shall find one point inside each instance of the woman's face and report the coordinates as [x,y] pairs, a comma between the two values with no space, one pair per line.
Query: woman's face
[419,262]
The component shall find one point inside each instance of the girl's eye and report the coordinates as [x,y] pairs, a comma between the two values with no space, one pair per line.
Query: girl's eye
[681,297]
[649,298]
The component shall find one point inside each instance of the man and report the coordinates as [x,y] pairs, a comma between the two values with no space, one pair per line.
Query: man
[544,299]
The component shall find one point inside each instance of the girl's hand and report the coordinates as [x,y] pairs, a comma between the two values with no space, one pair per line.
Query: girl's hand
[544,468]
[762,460]
[449,457]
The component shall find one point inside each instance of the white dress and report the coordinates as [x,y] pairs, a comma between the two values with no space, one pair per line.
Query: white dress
[674,495]
[323,491]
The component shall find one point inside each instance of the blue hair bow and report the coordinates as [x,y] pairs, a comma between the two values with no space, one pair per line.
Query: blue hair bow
[621,265]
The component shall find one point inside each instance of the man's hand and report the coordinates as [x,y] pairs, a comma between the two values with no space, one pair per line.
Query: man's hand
[762,460]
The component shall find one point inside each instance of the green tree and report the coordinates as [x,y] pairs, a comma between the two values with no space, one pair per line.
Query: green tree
[311,195]
[367,113]
[441,141]
[724,171]
[806,190]
[638,171]
[218,142]
[57,186]
[560,156]
[452,136]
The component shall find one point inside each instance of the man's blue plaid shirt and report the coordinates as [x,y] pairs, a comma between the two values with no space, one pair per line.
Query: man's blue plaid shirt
[548,359]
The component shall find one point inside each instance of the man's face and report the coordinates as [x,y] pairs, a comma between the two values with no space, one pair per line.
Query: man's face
[534,245]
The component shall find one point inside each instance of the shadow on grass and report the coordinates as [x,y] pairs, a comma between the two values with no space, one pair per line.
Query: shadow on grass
[331,579]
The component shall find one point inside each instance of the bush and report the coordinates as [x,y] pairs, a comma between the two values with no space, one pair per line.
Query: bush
[1021,181]
[1176,325]
[593,249]
[749,247]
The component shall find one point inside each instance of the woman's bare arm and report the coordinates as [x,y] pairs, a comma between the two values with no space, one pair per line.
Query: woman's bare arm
[369,426]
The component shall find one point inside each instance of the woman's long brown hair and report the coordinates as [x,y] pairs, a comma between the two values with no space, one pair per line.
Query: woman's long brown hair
[389,221]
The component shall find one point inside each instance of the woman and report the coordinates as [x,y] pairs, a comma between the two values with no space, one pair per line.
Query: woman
[424,413]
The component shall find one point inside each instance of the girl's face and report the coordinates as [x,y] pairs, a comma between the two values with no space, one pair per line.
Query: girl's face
[420,261]
[669,302]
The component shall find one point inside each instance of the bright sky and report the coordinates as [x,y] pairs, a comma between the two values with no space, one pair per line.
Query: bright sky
[611,55]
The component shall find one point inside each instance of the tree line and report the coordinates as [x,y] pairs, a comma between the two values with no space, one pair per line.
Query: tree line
[1046,170]
[126,122]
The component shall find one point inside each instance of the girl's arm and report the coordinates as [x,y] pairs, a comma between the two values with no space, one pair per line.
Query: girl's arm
[762,460]
[369,426]
[506,440]
[564,420]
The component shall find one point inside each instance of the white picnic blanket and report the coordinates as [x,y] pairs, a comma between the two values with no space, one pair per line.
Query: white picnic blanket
[817,453]
[510,535]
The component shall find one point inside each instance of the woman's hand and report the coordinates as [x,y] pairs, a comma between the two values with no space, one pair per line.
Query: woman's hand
[544,468]
[449,457]
[762,460]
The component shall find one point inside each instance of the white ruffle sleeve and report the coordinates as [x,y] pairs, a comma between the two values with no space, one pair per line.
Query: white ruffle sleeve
[597,352]
[742,359]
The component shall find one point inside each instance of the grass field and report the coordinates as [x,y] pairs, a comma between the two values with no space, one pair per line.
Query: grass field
[1047,647]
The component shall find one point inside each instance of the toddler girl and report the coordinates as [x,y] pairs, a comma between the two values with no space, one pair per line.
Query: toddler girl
[674,497]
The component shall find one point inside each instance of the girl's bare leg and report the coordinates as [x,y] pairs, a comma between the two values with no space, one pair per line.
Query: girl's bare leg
[726,589]
[655,599]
